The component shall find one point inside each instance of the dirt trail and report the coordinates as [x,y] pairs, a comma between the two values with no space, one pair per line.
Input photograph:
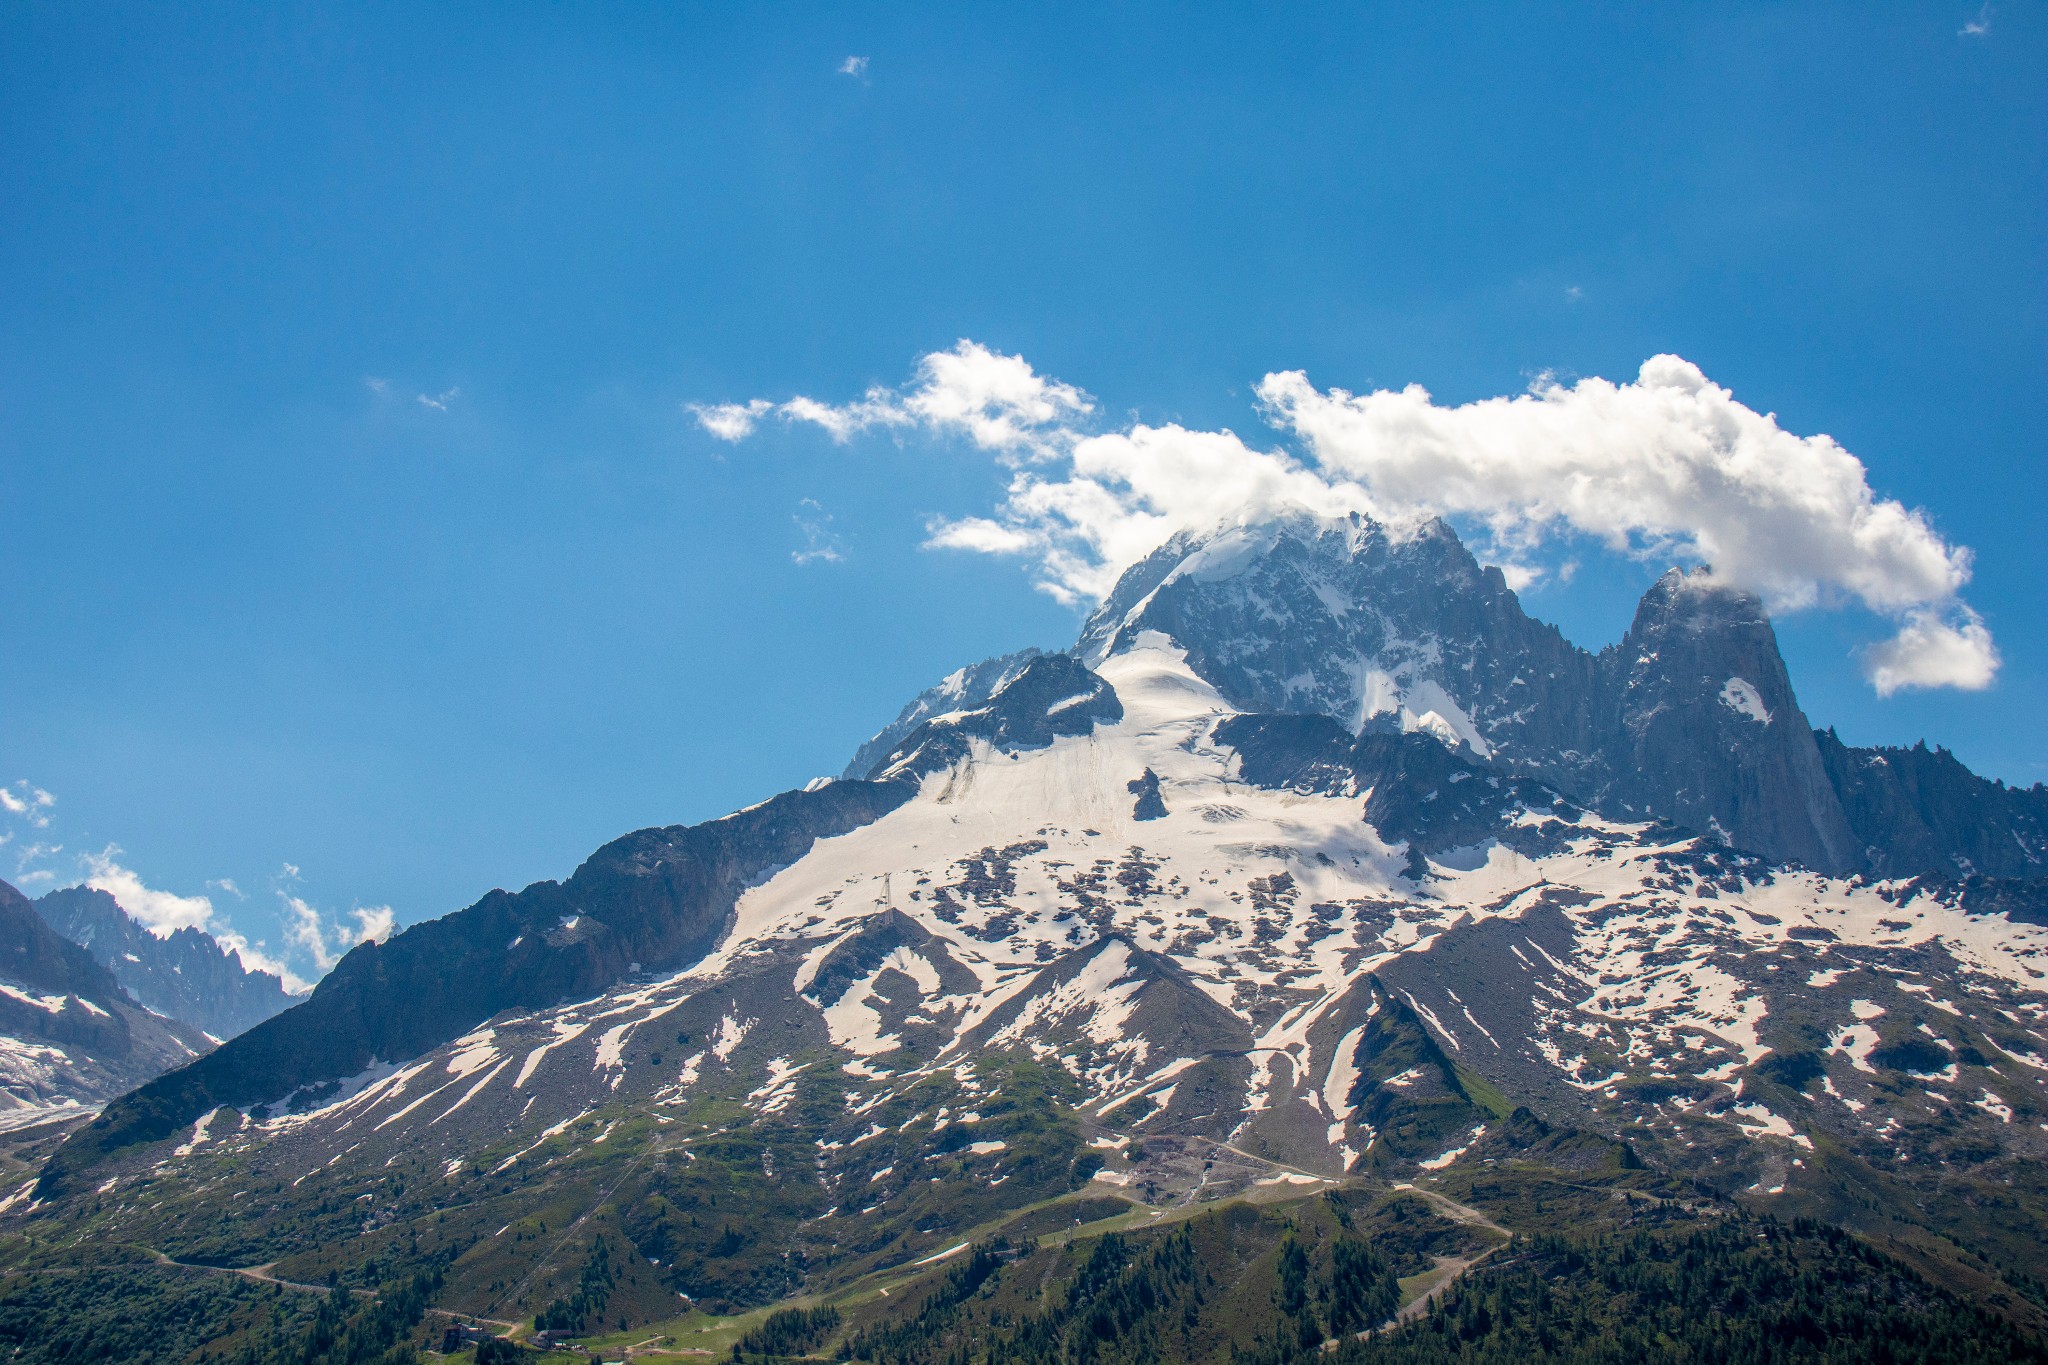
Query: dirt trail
[1449,1269]
[1462,1213]
[255,1272]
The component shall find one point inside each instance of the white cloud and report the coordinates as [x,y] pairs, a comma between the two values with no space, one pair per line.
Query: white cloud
[1931,652]
[856,67]
[374,923]
[256,958]
[439,402]
[310,932]
[29,854]
[996,401]
[1669,465]
[979,534]
[163,913]
[306,931]
[1666,466]
[30,803]
[1979,26]
[227,884]
[730,421]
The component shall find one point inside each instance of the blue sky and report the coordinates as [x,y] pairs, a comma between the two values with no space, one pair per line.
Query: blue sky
[268,606]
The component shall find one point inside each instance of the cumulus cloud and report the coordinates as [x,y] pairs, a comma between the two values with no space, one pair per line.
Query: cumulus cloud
[163,913]
[1668,466]
[996,401]
[856,67]
[1931,652]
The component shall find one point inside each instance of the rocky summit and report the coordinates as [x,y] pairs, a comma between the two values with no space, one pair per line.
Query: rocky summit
[1322,956]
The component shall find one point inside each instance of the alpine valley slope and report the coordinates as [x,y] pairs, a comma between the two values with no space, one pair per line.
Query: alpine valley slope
[1318,866]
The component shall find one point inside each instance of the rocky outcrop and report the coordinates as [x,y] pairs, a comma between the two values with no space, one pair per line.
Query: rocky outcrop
[1379,630]
[963,689]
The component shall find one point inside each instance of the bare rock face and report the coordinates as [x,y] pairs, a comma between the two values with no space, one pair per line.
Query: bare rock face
[1919,811]
[964,689]
[1701,728]
[1050,696]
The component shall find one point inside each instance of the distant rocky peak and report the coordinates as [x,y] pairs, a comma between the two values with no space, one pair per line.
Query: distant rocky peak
[185,974]
[1698,638]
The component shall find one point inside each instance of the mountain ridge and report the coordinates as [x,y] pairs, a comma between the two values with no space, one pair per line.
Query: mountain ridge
[186,974]
[70,1036]
[1090,928]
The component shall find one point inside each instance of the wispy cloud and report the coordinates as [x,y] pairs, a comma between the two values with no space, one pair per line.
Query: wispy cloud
[820,545]
[27,859]
[439,402]
[997,401]
[26,809]
[1666,466]
[856,67]
[731,421]
[256,957]
[1977,27]
[374,923]
[306,931]
[30,804]
[324,939]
